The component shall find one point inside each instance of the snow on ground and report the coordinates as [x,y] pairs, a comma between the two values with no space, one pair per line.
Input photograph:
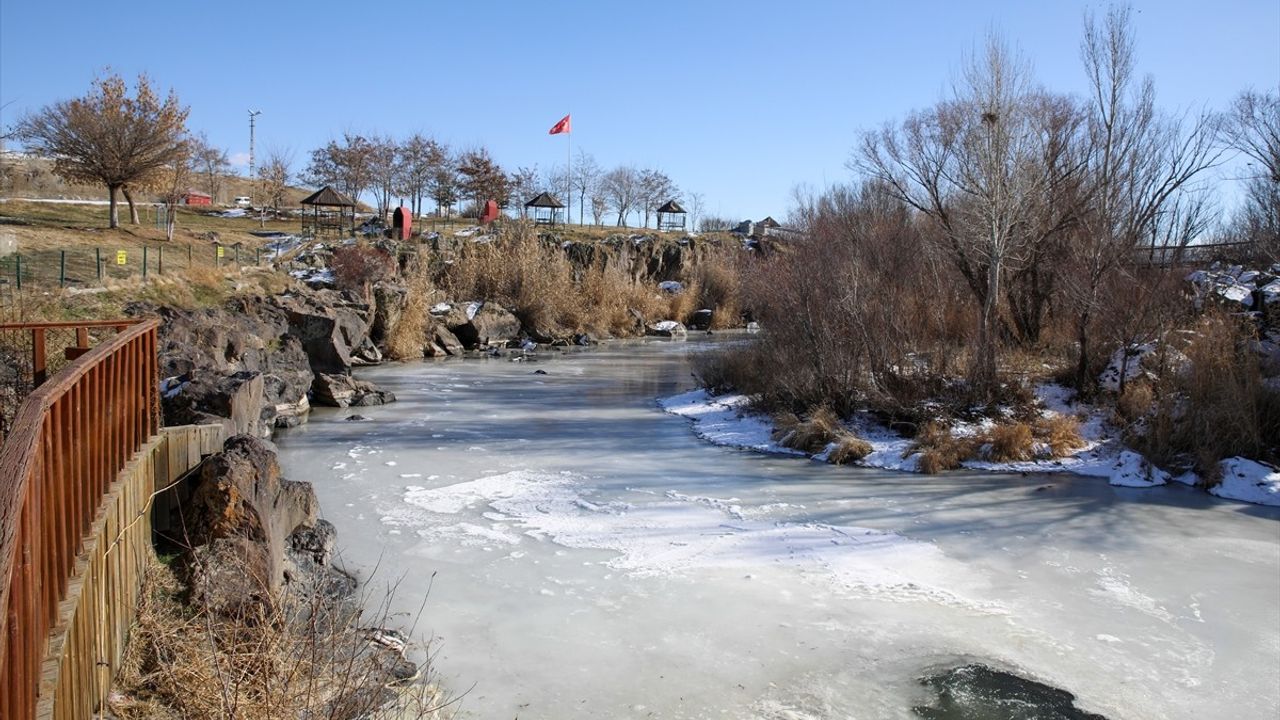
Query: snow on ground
[674,534]
[1250,481]
[726,420]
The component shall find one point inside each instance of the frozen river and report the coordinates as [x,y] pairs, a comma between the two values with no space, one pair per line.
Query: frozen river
[593,559]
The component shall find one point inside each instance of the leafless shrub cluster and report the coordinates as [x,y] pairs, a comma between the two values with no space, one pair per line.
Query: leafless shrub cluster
[1010,234]
[305,655]
[357,267]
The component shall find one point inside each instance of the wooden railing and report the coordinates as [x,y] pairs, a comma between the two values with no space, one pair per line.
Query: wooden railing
[70,439]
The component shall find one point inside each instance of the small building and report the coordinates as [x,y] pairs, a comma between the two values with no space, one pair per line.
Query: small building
[671,216]
[195,197]
[328,211]
[546,209]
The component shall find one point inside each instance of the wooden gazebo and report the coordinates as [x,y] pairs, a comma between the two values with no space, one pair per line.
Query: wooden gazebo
[546,209]
[328,210]
[671,216]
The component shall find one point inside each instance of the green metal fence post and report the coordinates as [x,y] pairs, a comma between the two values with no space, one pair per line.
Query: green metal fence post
[62,268]
[17,262]
[237,256]
[160,261]
[144,262]
[215,256]
[189,256]
[97,255]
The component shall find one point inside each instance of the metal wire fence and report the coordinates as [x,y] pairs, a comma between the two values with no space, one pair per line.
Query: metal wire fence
[85,266]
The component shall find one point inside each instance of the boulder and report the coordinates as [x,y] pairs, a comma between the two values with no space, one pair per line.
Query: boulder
[484,324]
[238,519]
[331,325]
[343,390]
[701,320]
[667,328]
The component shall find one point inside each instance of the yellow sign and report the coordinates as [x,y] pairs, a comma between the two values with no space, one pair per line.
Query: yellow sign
[122,257]
[220,249]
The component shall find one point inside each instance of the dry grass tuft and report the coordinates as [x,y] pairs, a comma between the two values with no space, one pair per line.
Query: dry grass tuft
[299,657]
[811,435]
[1012,442]
[1060,432]
[940,449]
[849,448]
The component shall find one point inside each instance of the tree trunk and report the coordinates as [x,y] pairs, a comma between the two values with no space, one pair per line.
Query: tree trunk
[133,209]
[115,212]
[984,370]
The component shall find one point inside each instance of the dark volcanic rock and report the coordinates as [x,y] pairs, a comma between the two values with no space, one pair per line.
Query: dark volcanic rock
[342,390]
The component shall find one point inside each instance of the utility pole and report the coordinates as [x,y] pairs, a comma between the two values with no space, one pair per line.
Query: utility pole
[253,180]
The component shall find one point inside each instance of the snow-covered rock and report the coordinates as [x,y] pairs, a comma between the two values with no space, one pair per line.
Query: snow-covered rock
[667,328]
[1132,470]
[671,286]
[1248,480]
[1125,363]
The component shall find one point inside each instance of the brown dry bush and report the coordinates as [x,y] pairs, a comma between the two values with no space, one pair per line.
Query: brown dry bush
[407,337]
[298,657]
[716,284]
[812,435]
[536,280]
[849,448]
[356,267]
[1012,442]
[940,449]
[1218,407]
[1060,432]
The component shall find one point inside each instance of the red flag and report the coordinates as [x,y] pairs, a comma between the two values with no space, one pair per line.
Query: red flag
[560,127]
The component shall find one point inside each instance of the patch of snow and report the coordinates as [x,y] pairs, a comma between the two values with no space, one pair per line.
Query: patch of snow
[1248,480]
[1125,363]
[671,286]
[1133,470]
[723,420]
[473,308]
[441,308]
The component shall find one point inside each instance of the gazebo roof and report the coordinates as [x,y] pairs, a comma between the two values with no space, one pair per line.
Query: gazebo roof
[769,222]
[328,196]
[544,200]
[671,206]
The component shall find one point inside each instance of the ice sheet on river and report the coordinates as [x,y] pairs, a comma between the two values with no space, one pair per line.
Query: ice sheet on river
[674,533]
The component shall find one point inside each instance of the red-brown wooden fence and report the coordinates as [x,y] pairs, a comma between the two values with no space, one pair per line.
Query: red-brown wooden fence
[70,438]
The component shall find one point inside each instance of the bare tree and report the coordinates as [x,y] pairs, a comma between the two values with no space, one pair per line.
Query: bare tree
[418,159]
[655,189]
[347,165]
[211,163]
[1253,128]
[384,171]
[697,205]
[443,185]
[274,176]
[524,183]
[585,178]
[621,188]
[1140,166]
[483,179]
[108,137]
[972,165]
[173,182]
[599,205]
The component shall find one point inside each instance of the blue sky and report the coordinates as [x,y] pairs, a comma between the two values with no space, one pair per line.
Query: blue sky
[737,100]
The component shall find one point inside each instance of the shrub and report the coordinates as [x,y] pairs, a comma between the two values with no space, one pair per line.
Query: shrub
[940,449]
[357,267]
[849,448]
[1060,432]
[811,435]
[1012,442]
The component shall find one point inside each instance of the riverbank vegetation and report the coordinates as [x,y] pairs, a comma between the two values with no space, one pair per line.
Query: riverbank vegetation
[1011,236]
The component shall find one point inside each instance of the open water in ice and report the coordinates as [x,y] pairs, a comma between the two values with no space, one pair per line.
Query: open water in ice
[588,557]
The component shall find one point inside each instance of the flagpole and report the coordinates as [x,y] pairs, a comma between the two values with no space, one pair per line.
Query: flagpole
[568,176]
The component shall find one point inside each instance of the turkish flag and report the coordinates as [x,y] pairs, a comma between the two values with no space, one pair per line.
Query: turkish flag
[560,127]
